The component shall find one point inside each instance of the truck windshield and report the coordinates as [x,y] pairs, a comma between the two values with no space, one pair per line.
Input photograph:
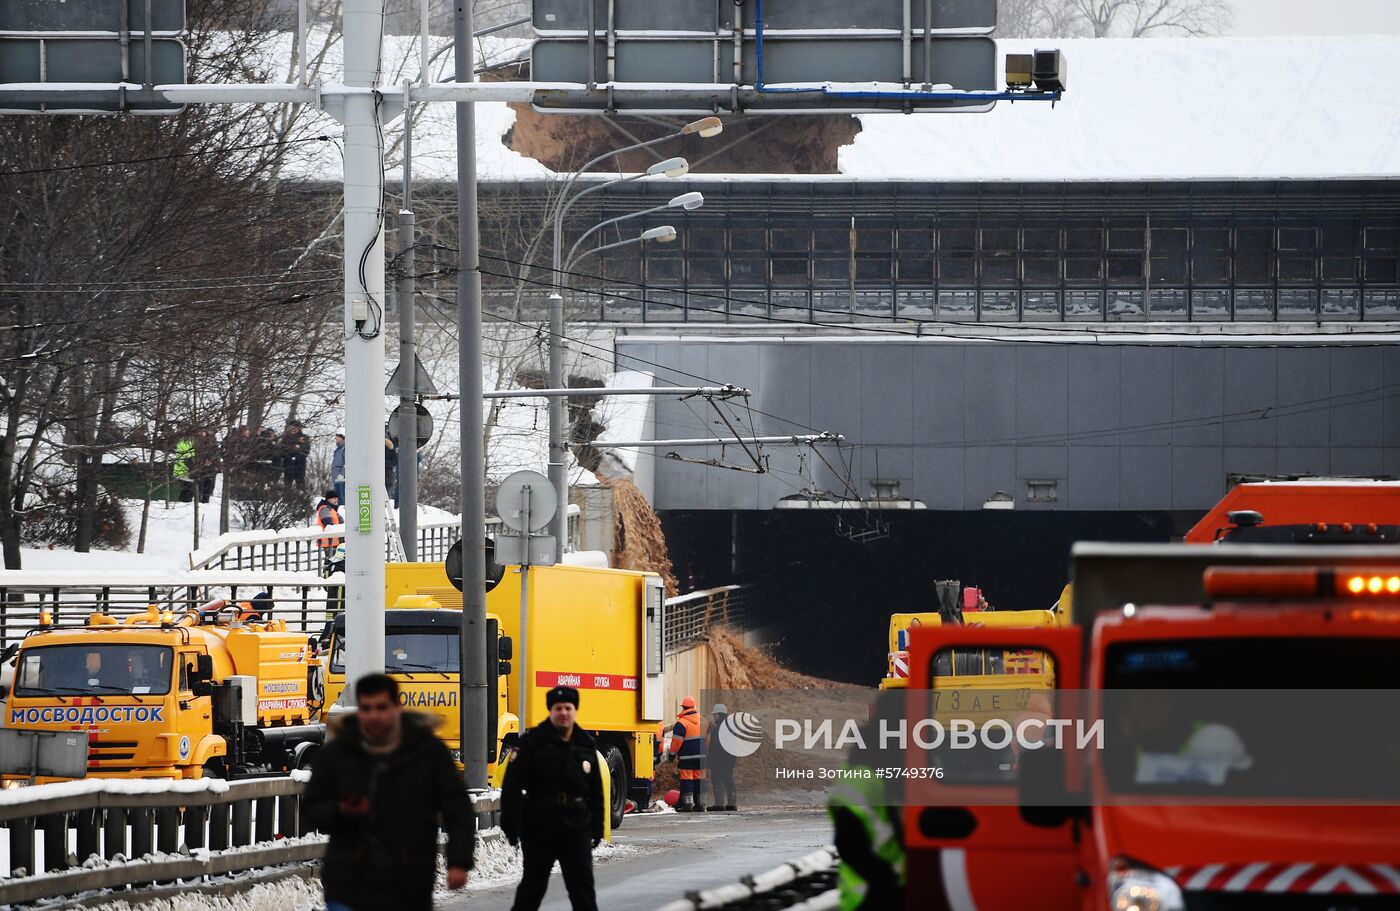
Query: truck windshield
[411,650]
[1274,717]
[95,669]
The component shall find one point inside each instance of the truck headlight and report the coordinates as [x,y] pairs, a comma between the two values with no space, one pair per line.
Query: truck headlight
[1134,887]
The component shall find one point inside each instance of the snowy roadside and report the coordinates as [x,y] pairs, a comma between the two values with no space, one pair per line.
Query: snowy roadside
[497,866]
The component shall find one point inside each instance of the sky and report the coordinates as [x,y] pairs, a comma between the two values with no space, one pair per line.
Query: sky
[1313,17]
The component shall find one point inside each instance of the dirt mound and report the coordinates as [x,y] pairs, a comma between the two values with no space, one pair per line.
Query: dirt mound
[742,667]
[642,546]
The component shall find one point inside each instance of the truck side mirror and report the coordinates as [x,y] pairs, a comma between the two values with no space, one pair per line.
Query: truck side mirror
[505,648]
[9,652]
[202,683]
[502,668]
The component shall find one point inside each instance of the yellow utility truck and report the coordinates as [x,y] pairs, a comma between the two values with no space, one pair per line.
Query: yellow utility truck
[599,630]
[216,691]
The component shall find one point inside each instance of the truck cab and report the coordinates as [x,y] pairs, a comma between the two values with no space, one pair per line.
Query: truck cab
[1247,760]
[422,652]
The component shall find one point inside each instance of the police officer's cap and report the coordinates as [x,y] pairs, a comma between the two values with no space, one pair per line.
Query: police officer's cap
[561,694]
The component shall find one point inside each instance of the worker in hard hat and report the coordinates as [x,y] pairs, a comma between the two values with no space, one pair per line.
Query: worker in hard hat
[688,749]
[720,763]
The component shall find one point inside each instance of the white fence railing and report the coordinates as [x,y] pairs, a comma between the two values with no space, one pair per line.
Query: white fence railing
[305,550]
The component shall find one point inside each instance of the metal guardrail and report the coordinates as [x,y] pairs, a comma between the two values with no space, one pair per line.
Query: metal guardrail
[112,820]
[690,617]
[808,884]
[303,600]
[302,550]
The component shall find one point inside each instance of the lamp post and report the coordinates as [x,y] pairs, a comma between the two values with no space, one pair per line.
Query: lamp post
[688,202]
[705,128]
[662,234]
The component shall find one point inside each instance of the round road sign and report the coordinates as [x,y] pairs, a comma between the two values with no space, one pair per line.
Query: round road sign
[510,501]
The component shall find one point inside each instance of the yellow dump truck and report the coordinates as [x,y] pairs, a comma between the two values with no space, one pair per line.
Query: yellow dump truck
[983,668]
[208,692]
[599,630]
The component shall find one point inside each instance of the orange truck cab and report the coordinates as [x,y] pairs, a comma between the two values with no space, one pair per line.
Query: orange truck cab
[1312,511]
[1169,619]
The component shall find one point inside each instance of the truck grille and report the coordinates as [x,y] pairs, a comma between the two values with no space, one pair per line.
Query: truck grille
[107,751]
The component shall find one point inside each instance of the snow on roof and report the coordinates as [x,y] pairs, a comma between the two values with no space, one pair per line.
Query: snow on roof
[1227,108]
[624,417]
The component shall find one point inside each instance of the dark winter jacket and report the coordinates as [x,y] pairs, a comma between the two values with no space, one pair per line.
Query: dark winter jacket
[387,859]
[553,786]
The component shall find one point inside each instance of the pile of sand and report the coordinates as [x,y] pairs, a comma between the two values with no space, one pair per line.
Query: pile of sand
[641,544]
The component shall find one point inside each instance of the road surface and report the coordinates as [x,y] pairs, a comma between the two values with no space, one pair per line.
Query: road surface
[671,854]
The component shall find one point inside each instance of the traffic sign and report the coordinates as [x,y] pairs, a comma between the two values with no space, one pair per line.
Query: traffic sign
[495,572]
[95,51]
[868,55]
[511,502]
[421,418]
[677,18]
[863,73]
[510,550]
[113,73]
[87,16]
[422,380]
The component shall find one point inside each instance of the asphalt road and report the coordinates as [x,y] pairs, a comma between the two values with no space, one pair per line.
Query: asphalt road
[672,854]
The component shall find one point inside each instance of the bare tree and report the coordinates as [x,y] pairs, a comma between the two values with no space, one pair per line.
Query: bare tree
[1150,18]
[134,248]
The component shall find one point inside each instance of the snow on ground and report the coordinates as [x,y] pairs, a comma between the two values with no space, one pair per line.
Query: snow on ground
[295,893]
[1198,108]
[169,539]
[497,865]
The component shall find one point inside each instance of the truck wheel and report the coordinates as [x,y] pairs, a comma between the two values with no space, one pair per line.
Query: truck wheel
[617,773]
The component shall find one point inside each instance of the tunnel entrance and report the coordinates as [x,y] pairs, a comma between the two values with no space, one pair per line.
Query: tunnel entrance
[827,599]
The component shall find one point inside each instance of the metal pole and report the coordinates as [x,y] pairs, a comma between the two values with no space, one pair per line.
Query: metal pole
[364,346]
[408,356]
[558,454]
[522,650]
[301,52]
[473,638]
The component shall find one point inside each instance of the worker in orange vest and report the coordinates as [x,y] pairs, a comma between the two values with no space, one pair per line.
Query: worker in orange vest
[328,514]
[688,749]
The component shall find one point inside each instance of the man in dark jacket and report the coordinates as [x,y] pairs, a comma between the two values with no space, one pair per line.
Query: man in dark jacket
[377,789]
[552,802]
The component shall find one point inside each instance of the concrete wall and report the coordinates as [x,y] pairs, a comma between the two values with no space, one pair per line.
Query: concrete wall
[1143,426]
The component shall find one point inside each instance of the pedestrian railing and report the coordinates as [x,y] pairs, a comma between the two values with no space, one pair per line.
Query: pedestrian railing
[805,884]
[114,834]
[690,617]
[31,597]
[303,549]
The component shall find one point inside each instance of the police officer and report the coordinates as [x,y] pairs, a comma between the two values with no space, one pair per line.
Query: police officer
[552,804]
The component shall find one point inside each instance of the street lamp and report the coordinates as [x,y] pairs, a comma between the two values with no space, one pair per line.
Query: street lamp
[688,202]
[661,234]
[704,128]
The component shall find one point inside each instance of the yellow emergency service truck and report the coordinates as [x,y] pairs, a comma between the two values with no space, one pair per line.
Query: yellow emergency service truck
[208,692]
[599,630]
